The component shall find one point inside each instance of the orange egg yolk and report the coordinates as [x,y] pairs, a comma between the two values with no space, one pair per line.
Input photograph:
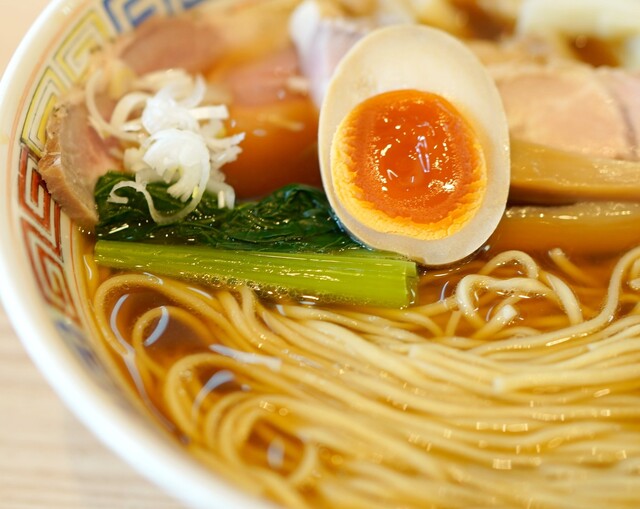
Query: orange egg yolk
[411,157]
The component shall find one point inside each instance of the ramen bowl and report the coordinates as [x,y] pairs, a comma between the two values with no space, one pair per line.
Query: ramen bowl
[508,379]
[40,290]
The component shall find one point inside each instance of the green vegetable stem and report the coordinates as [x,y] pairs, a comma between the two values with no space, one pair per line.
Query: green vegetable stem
[286,243]
[345,277]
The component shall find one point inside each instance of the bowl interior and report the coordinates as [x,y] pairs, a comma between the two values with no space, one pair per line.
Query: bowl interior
[40,249]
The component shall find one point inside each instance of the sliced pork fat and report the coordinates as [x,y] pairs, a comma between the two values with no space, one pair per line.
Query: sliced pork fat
[565,106]
[624,88]
[74,158]
[165,43]
[321,42]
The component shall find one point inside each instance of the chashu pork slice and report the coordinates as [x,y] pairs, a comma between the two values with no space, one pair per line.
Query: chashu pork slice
[624,88]
[75,156]
[184,41]
[568,106]
[575,132]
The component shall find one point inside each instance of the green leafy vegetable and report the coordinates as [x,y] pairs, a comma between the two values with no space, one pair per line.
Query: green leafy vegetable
[288,242]
[294,219]
[344,277]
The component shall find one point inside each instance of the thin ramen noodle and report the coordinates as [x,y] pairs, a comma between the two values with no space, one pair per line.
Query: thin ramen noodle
[511,387]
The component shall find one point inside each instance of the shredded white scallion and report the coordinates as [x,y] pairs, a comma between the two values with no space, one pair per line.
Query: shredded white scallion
[170,137]
[104,129]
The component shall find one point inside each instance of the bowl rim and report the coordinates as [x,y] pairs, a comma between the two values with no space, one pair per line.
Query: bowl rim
[152,455]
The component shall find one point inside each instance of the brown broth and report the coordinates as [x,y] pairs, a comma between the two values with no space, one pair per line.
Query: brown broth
[268,448]
[179,339]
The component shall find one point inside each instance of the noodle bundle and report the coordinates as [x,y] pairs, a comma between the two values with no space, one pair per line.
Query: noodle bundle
[515,382]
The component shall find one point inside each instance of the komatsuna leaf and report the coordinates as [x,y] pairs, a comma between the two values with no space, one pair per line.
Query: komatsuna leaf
[296,218]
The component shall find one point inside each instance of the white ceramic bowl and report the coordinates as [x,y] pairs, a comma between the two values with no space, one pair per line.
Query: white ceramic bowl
[39,286]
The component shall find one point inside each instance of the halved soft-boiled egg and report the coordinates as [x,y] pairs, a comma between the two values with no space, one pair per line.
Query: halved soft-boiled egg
[414,145]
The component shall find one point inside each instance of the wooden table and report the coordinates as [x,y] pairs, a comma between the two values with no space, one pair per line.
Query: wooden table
[47,458]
